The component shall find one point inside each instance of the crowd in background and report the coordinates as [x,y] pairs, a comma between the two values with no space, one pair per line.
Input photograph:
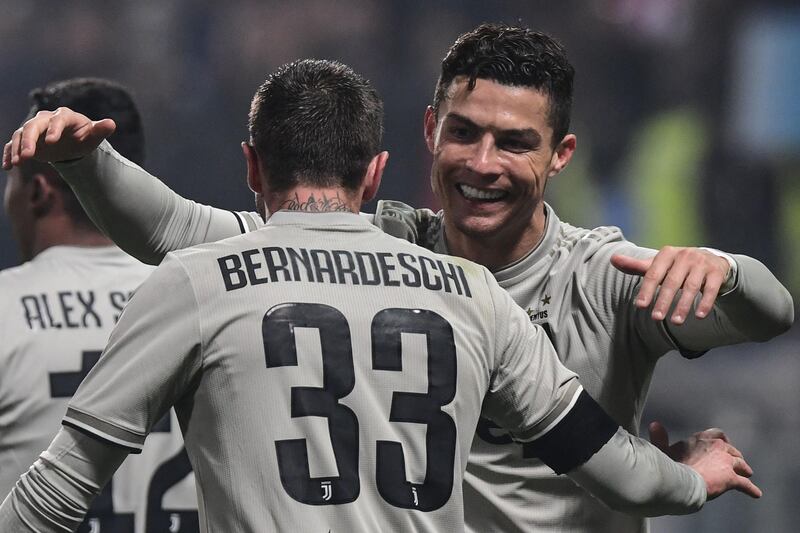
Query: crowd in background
[688,123]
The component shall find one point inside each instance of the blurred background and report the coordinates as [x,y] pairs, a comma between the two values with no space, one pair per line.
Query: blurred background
[688,121]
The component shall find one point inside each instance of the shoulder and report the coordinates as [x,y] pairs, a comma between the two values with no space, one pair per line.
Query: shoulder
[116,259]
[17,285]
[571,237]
[248,220]
[19,279]
[13,281]
[597,244]
[204,251]
[194,266]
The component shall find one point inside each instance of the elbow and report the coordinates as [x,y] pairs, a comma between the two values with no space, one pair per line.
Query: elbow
[786,318]
[780,321]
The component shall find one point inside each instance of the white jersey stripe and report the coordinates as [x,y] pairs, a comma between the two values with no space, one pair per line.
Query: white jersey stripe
[104,430]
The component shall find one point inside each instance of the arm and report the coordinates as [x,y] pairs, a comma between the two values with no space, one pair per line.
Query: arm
[138,212]
[707,452]
[563,426]
[56,492]
[753,307]
[630,477]
[152,357]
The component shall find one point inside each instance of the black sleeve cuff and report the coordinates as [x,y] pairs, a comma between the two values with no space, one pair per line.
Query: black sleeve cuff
[578,436]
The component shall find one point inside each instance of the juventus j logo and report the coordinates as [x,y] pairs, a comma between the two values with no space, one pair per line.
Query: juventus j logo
[174,523]
[416,499]
[327,491]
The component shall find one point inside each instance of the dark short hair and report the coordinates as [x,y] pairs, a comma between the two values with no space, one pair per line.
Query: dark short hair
[97,99]
[512,56]
[316,122]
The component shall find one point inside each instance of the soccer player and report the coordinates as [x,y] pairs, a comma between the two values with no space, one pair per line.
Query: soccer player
[328,376]
[498,130]
[56,312]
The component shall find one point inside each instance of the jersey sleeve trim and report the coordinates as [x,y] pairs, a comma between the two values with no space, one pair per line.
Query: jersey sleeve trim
[246,221]
[103,430]
[239,221]
[576,437]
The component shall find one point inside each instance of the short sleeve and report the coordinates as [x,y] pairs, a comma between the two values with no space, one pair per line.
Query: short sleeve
[153,354]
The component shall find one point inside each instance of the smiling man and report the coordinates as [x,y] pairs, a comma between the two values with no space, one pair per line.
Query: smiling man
[406,365]
[498,130]
[494,150]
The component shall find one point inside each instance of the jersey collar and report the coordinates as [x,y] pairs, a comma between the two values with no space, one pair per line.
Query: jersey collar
[546,247]
[282,218]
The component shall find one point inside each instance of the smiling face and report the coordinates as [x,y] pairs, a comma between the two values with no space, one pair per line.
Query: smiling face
[493,152]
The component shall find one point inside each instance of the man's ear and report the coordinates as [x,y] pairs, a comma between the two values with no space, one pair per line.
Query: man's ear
[253,170]
[430,128]
[42,194]
[562,154]
[372,179]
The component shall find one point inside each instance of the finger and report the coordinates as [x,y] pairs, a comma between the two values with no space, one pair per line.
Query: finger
[652,279]
[734,451]
[55,128]
[630,265]
[31,131]
[714,433]
[103,128]
[691,287]
[672,283]
[711,287]
[15,139]
[742,484]
[7,156]
[658,436]
[741,467]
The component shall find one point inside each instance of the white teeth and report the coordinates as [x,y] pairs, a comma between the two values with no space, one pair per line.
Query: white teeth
[473,193]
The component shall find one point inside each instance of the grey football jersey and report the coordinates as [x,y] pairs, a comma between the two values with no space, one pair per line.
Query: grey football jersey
[327,376]
[56,313]
[568,286]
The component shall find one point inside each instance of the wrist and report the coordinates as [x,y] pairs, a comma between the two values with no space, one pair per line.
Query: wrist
[732,276]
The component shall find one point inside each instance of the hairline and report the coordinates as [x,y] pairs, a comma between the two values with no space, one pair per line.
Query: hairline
[472,81]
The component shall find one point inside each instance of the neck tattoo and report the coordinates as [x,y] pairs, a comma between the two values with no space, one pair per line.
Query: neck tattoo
[314,204]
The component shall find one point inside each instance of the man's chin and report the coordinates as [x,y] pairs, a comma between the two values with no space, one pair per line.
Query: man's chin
[479,227]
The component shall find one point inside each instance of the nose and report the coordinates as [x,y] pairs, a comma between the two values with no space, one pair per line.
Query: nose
[483,158]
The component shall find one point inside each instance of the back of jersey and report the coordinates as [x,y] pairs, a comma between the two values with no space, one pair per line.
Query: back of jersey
[356,345]
[328,377]
[57,313]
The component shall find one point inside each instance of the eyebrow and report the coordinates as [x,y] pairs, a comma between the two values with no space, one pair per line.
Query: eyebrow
[528,133]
